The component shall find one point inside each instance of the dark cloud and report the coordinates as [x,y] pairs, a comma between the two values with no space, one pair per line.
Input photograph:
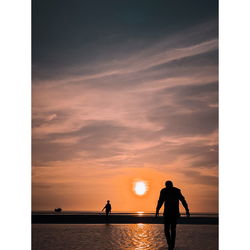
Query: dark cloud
[195,155]
[70,32]
[91,138]
[192,110]
[44,118]
[200,155]
[204,94]
[197,178]
[103,139]
[186,124]
[44,151]
[193,91]
[196,123]
[98,139]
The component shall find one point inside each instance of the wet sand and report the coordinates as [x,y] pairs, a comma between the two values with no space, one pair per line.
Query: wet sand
[115,219]
[121,237]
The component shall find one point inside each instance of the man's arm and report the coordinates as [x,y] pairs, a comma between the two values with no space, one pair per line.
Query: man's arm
[184,203]
[160,202]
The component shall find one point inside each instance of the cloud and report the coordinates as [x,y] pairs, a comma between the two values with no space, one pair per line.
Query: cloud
[133,56]
[78,121]
[151,104]
[187,124]
[200,179]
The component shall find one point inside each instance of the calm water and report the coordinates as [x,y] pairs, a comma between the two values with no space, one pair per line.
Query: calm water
[121,236]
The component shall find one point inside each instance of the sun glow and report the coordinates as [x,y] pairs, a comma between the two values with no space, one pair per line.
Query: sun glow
[140,188]
[140,213]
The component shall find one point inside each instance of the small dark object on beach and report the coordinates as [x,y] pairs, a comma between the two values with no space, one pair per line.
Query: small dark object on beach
[58,209]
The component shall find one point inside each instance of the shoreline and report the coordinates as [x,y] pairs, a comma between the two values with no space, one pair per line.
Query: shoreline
[115,219]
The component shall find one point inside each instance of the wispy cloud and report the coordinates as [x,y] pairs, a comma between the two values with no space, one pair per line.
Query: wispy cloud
[155,107]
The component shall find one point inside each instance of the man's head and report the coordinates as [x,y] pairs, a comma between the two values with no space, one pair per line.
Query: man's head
[169,184]
[108,201]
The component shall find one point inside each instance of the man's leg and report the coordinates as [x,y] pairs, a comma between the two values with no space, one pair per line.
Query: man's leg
[167,233]
[173,234]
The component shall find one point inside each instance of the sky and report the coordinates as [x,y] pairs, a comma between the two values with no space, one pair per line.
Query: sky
[124,91]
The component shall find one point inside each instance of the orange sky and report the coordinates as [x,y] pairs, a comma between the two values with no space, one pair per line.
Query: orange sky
[74,188]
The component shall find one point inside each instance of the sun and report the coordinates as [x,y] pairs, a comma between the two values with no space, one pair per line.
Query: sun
[140,188]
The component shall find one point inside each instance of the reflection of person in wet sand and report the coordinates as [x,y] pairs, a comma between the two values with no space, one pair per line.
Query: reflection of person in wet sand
[107,208]
[170,196]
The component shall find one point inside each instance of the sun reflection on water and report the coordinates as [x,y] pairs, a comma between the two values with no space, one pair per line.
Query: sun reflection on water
[141,238]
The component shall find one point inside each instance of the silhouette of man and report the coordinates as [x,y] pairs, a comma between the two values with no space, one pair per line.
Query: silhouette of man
[107,208]
[170,196]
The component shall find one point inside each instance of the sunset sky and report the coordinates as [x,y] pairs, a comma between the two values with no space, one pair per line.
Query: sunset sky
[124,91]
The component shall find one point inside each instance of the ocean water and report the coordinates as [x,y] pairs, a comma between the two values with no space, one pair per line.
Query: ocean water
[121,236]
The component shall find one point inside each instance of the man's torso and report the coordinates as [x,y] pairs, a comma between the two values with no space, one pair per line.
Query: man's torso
[171,202]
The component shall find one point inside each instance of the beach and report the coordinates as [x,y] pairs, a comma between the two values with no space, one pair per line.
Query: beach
[121,236]
[90,231]
[64,218]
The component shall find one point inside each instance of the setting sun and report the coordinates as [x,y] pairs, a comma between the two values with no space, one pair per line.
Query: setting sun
[140,188]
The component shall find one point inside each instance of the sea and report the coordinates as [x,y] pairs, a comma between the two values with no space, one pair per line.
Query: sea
[121,236]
